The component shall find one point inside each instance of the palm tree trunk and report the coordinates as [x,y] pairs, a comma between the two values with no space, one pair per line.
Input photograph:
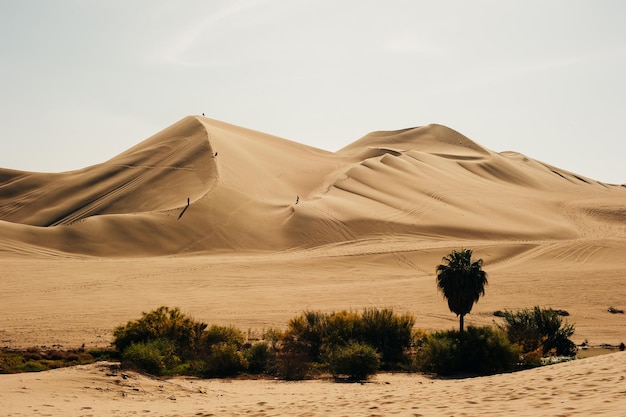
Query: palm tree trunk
[461,322]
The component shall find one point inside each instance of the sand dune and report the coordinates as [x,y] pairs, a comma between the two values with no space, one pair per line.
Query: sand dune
[244,228]
[430,181]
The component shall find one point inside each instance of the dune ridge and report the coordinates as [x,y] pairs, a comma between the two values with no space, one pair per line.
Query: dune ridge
[250,191]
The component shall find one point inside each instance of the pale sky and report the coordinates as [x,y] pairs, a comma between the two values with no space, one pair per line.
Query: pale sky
[84,80]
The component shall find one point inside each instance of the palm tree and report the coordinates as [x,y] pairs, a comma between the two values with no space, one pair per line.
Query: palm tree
[461,281]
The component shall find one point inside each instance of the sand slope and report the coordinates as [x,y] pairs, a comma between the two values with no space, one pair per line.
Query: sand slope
[242,186]
[274,227]
[589,387]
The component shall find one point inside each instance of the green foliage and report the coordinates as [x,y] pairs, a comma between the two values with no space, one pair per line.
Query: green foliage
[165,341]
[161,324]
[479,350]
[356,360]
[36,359]
[36,366]
[388,333]
[221,351]
[154,357]
[341,327]
[461,281]
[305,334]
[224,359]
[539,329]
[261,358]
[223,334]
[292,363]
[10,362]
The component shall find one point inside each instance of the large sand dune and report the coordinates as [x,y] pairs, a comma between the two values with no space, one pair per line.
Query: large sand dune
[239,227]
[251,191]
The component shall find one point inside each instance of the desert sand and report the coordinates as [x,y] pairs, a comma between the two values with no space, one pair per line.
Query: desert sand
[239,227]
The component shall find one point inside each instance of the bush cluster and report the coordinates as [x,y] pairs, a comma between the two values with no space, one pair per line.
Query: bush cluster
[39,359]
[357,360]
[314,333]
[539,332]
[165,342]
[478,350]
[345,344]
[341,340]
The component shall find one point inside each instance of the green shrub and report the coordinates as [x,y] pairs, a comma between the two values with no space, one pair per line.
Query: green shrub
[540,329]
[224,360]
[341,328]
[165,324]
[34,366]
[389,333]
[305,334]
[223,334]
[356,360]
[261,358]
[165,341]
[154,357]
[292,364]
[10,362]
[479,350]
[438,353]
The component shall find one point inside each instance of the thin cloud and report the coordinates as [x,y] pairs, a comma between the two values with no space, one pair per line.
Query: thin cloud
[177,49]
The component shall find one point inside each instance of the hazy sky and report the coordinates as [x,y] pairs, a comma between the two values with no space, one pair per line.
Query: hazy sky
[84,80]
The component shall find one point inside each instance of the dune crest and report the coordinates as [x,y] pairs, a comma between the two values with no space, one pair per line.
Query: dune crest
[203,185]
[158,174]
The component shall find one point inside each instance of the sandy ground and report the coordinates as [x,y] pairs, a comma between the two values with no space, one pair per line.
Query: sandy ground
[593,386]
[238,227]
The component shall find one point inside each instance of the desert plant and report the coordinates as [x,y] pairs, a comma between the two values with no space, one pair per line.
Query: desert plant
[539,328]
[461,281]
[224,359]
[389,333]
[292,363]
[153,357]
[341,327]
[261,358]
[223,334]
[437,353]
[356,360]
[163,323]
[479,350]
[306,333]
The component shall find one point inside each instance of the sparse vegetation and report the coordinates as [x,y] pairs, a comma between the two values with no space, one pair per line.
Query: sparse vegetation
[166,342]
[40,359]
[479,350]
[155,357]
[161,324]
[539,332]
[313,334]
[345,344]
[358,361]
